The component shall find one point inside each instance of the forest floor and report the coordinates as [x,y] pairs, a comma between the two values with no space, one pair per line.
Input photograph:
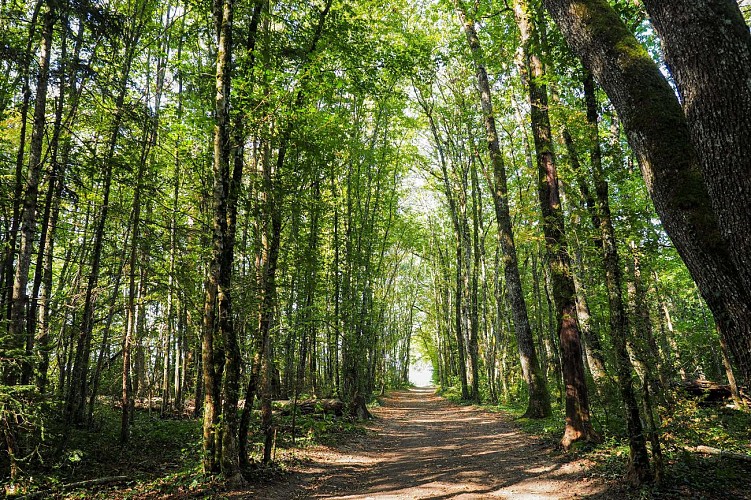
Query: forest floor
[419,445]
[423,446]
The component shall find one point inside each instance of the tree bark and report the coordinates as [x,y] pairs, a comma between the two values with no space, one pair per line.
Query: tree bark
[220,275]
[707,47]
[578,424]
[659,136]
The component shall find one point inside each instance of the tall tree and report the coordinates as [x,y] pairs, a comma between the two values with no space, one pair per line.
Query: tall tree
[639,470]
[16,326]
[578,424]
[538,405]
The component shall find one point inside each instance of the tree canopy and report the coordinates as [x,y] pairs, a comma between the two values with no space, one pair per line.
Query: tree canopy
[210,207]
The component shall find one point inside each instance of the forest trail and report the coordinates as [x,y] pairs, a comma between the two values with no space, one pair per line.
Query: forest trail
[422,446]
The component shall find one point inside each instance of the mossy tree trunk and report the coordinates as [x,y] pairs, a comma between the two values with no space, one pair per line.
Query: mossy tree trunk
[707,47]
[220,442]
[659,136]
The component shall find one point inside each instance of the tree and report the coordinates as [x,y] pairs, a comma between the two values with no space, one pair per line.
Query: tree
[539,398]
[659,136]
[17,333]
[578,424]
[639,470]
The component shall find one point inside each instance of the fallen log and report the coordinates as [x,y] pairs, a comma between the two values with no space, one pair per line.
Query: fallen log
[708,450]
[315,406]
[706,390]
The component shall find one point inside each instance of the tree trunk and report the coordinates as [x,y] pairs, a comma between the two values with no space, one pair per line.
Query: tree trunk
[659,136]
[224,209]
[59,160]
[707,47]
[639,470]
[539,399]
[7,272]
[578,424]
[461,350]
[17,333]
[592,346]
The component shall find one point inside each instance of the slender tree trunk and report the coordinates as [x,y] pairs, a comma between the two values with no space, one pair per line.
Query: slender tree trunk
[728,366]
[644,359]
[210,381]
[105,342]
[639,470]
[75,401]
[17,325]
[130,324]
[220,274]
[267,263]
[539,399]
[8,269]
[668,332]
[578,424]
[592,347]
[461,351]
[59,159]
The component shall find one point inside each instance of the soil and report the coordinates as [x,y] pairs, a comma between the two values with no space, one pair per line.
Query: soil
[422,446]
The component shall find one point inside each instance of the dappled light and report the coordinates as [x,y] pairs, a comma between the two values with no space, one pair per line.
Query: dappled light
[283,249]
[424,447]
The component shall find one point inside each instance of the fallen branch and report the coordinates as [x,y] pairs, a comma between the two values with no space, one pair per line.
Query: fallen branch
[76,485]
[708,450]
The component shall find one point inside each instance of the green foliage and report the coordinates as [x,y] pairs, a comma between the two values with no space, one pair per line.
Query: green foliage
[367,267]
[686,422]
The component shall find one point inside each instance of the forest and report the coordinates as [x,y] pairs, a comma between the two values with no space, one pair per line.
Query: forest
[230,228]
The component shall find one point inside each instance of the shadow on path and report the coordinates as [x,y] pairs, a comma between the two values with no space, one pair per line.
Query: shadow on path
[422,446]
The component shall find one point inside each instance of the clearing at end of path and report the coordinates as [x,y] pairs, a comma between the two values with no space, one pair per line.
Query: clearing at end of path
[422,446]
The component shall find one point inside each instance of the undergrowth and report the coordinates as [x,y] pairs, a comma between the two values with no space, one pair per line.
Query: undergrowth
[163,456]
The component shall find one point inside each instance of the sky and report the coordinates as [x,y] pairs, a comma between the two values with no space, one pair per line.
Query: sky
[421,373]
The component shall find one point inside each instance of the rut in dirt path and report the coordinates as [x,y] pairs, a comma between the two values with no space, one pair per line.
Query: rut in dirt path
[422,446]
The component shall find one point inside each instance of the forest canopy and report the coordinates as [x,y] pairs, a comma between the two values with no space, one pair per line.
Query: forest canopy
[207,208]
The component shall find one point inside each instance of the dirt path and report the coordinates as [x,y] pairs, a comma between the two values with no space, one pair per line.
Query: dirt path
[425,447]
